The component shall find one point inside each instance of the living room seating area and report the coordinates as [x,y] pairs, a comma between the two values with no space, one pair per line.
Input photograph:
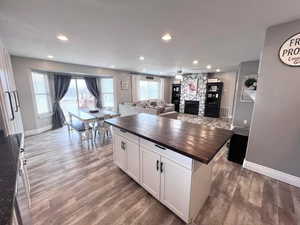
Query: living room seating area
[148,106]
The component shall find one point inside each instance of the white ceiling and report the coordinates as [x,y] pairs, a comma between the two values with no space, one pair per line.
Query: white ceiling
[116,32]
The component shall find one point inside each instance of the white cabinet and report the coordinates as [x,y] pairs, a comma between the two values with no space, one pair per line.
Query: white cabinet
[120,153]
[133,166]
[10,105]
[177,181]
[126,154]
[150,172]
[175,187]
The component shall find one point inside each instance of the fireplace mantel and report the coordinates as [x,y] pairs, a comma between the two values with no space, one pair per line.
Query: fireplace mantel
[193,88]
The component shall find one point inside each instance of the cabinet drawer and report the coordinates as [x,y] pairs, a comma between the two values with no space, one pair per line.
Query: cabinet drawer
[126,134]
[170,154]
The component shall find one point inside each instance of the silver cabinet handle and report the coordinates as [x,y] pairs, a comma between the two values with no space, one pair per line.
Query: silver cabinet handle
[123,145]
[163,148]
[16,97]
[11,106]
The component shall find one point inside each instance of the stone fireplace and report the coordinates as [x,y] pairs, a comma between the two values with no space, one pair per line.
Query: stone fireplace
[193,89]
[191,107]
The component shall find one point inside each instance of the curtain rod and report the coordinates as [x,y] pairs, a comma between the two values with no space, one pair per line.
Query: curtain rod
[73,74]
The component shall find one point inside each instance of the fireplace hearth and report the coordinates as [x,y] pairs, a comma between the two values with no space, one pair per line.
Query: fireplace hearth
[191,107]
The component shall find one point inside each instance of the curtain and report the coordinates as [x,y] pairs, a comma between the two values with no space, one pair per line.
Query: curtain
[61,85]
[92,86]
[134,85]
[162,90]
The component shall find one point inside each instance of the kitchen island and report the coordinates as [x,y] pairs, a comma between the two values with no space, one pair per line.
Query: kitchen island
[169,158]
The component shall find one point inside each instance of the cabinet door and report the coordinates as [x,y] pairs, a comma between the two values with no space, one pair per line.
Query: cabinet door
[133,159]
[175,187]
[120,155]
[150,175]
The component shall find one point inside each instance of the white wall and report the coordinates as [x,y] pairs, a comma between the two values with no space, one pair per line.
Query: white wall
[243,110]
[23,67]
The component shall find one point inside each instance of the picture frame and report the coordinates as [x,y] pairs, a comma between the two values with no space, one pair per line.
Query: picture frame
[124,85]
[244,97]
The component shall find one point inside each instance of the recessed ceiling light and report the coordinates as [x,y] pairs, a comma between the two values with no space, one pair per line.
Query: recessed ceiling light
[144,70]
[113,66]
[141,57]
[50,56]
[208,67]
[218,70]
[195,62]
[166,37]
[62,37]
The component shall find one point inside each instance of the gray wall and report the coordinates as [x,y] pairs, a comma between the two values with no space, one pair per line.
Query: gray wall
[229,82]
[275,131]
[243,110]
[23,67]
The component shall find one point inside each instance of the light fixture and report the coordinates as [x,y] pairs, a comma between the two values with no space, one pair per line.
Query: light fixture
[208,67]
[62,37]
[178,77]
[166,37]
[113,66]
[142,58]
[144,70]
[195,62]
[218,70]
[50,56]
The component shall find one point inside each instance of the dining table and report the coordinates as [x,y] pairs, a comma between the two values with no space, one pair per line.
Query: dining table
[91,116]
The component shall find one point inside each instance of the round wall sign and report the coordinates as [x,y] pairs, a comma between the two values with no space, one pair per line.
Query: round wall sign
[289,52]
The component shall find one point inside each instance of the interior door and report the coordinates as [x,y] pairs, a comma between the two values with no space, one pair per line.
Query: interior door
[120,154]
[150,174]
[175,187]
[133,159]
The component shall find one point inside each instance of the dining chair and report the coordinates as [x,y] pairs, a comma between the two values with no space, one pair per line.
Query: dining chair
[102,128]
[85,132]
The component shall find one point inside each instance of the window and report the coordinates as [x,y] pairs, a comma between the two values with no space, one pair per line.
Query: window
[107,92]
[69,101]
[77,97]
[149,90]
[41,92]
[85,98]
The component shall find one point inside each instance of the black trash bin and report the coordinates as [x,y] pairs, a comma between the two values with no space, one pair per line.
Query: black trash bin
[238,145]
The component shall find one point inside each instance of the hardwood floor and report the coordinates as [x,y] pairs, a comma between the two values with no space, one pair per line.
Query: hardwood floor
[76,185]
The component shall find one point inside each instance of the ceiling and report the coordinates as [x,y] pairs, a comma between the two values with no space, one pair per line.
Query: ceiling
[116,32]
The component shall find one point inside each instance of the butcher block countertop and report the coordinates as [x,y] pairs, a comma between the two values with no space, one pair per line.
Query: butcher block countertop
[196,141]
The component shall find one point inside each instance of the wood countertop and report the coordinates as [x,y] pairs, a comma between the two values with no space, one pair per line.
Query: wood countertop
[196,141]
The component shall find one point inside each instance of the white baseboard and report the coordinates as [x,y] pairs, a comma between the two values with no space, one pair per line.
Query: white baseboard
[37,131]
[276,174]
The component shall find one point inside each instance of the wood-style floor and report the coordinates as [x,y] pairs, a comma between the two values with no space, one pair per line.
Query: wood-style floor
[74,185]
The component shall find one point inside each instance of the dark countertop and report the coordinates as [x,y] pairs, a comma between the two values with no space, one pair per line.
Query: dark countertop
[196,141]
[243,131]
[9,154]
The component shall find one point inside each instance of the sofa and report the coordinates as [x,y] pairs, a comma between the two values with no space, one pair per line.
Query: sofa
[150,106]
